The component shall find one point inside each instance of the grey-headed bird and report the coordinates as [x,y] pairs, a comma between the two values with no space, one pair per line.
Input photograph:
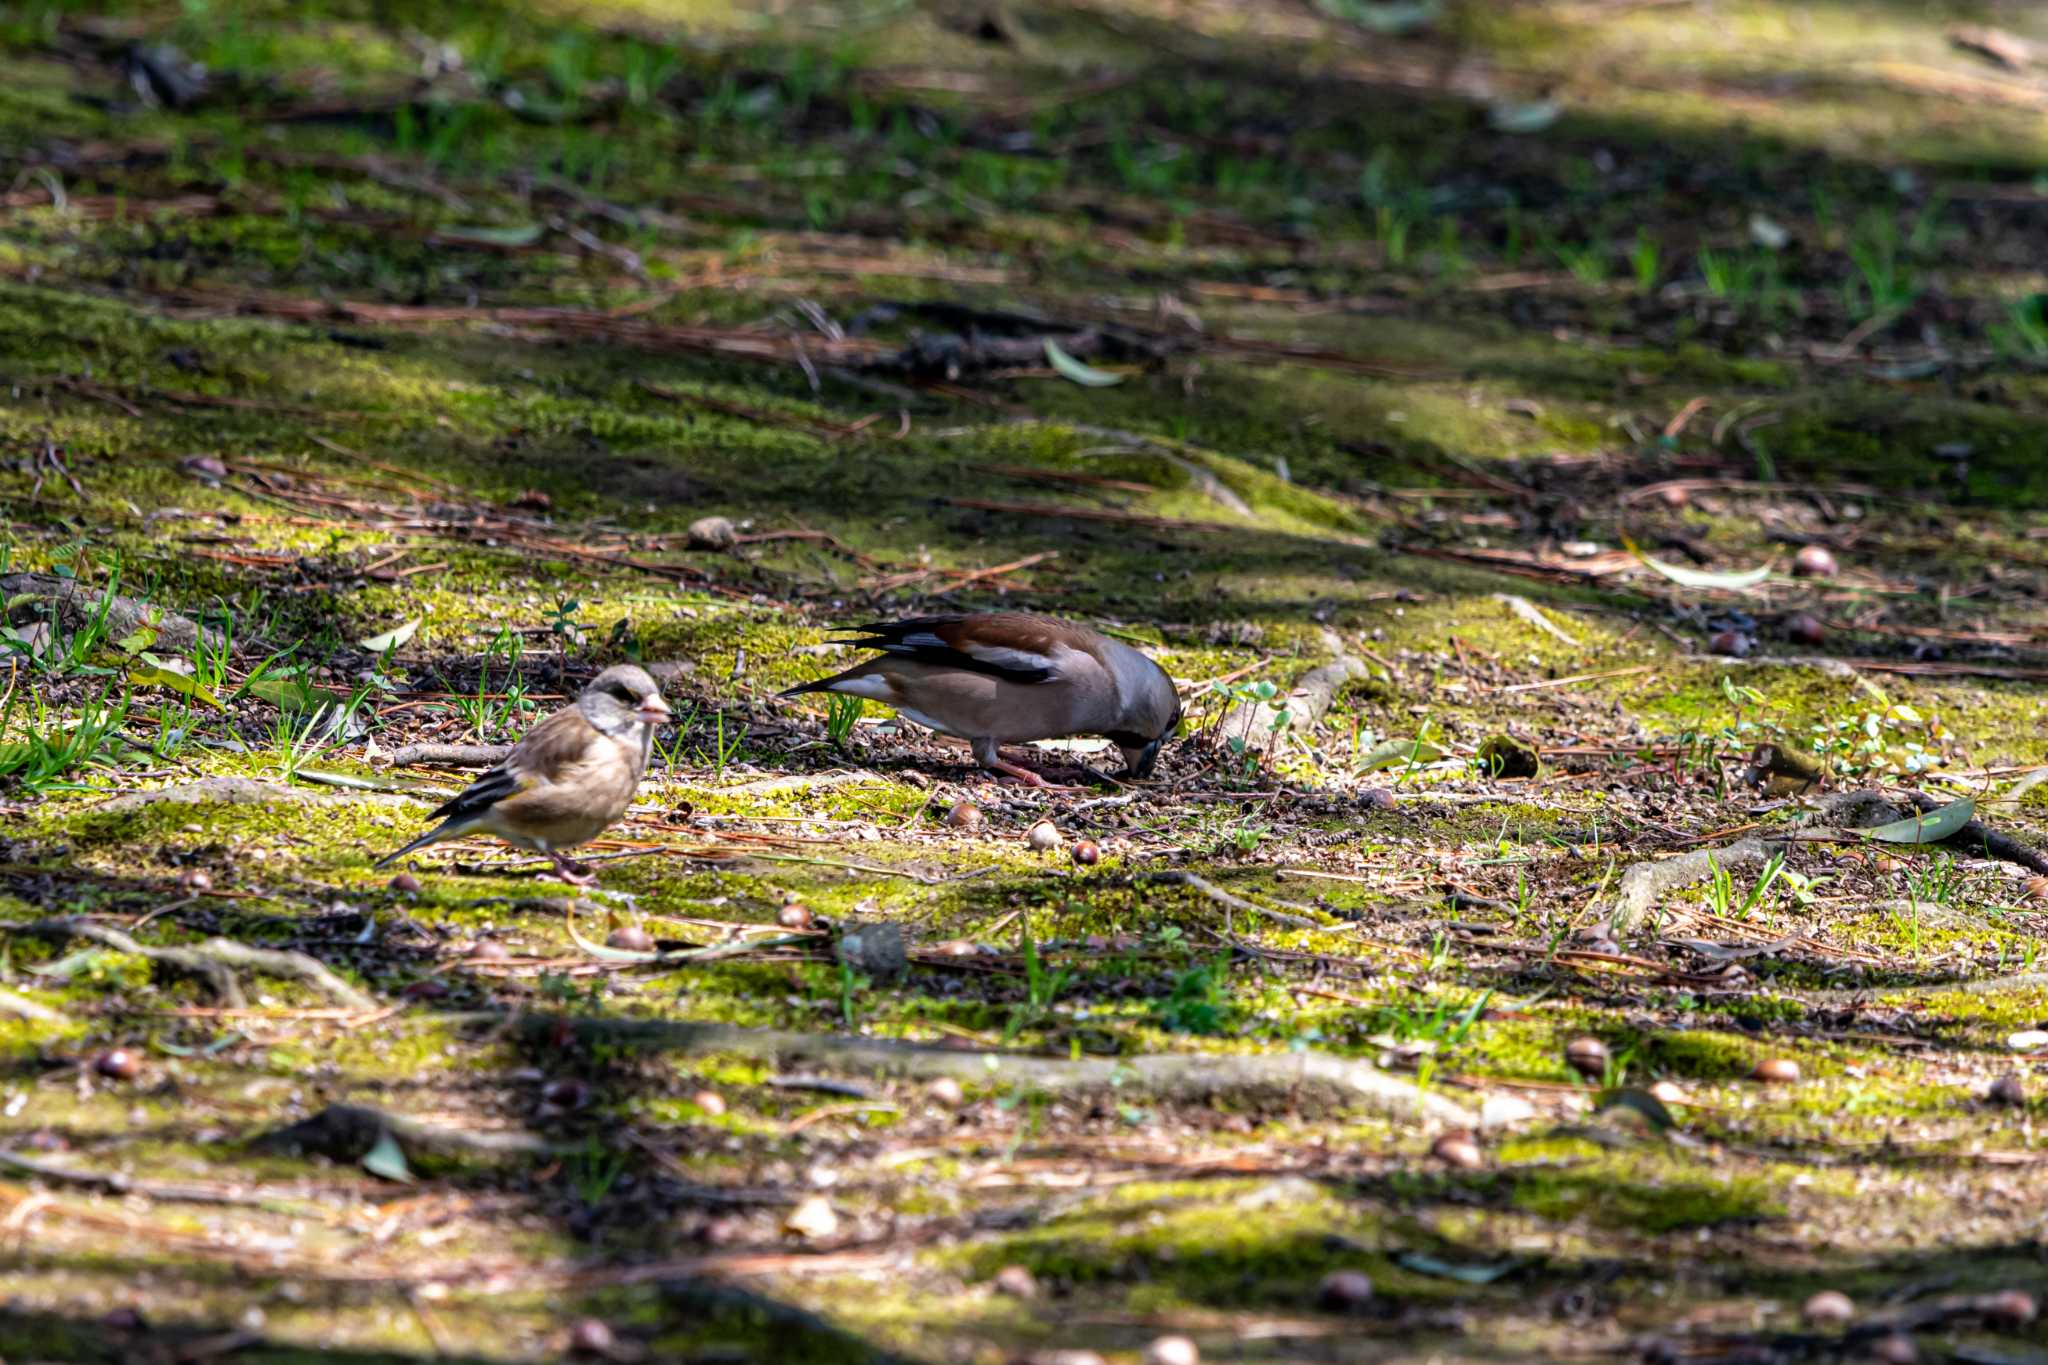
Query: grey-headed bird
[1004,677]
[567,780]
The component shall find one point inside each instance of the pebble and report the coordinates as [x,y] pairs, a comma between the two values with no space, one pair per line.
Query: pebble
[1172,1351]
[1044,836]
[1459,1150]
[813,1219]
[1015,1281]
[710,1101]
[631,937]
[1828,1308]
[2007,1090]
[946,1091]
[592,1337]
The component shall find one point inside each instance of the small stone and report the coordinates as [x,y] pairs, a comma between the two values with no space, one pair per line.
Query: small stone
[1804,628]
[1731,643]
[405,884]
[947,1091]
[1086,853]
[631,937]
[488,950]
[118,1064]
[1814,561]
[795,915]
[195,881]
[1895,1348]
[1015,1281]
[1459,1150]
[1588,1056]
[713,533]
[2010,1308]
[1172,1351]
[2028,1039]
[964,815]
[710,1101]
[205,468]
[1344,1291]
[1044,836]
[592,1337]
[2007,1090]
[1775,1071]
[1505,1111]
[2037,888]
[1669,1092]
[813,1219]
[1674,496]
[1828,1308]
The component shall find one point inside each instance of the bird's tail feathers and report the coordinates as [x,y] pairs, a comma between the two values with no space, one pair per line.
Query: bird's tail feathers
[432,836]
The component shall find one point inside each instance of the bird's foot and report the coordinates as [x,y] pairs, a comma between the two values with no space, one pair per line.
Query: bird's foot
[1027,776]
[573,872]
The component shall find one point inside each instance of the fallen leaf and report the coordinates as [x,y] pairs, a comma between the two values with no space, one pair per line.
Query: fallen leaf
[1927,828]
[387,1159]
[1399,753]
[1073,369]
[182,684]
[392,638]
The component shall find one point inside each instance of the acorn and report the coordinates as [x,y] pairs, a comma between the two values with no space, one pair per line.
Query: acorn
[2007,1090]
[964,815]
[2037,888]
[405,884]
[1674,496]
[814,1219]
[1173,1351]
[1588,1056]
[947,1092]
[1376,798]
[1804,628]
[1733,643]
[1344,1291]
[1895,1348]
[195,881]
[1086,853]
[1775,1071]
[631,937]
[118,1064]
[1015,1281]
[1828,1308]
[1814,561]
[1044,836]
[1459,1150]
[488,950]
[710,1101]
[592,1337]
[795,915]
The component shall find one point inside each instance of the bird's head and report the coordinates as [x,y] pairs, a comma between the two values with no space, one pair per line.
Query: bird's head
[621,698]
[1151,712]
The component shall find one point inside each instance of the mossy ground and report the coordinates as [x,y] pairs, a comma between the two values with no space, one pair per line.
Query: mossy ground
[463,318]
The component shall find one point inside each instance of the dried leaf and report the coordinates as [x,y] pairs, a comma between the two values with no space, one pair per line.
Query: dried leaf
[1736,581]
[1534,117]
[512,235]
[1399,753]
[287,694]
[1464,1274]
[1073,369]
[392,638]
[1927,828]
[387,1159]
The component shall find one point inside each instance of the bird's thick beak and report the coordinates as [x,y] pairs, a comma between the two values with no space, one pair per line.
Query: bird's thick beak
[1138,763]
[654,711]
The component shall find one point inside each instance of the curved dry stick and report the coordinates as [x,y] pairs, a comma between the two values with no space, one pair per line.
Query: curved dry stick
[1187,1077]
[214,961]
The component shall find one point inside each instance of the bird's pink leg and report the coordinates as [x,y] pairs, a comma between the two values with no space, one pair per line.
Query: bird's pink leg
[985,753]
[571,871]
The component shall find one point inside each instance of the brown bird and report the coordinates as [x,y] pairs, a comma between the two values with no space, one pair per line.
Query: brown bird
[567,780]
[1003,677]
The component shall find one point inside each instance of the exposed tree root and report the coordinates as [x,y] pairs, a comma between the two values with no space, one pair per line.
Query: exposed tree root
[214,961]
[78,604]
[1173,1076]
[448,755]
